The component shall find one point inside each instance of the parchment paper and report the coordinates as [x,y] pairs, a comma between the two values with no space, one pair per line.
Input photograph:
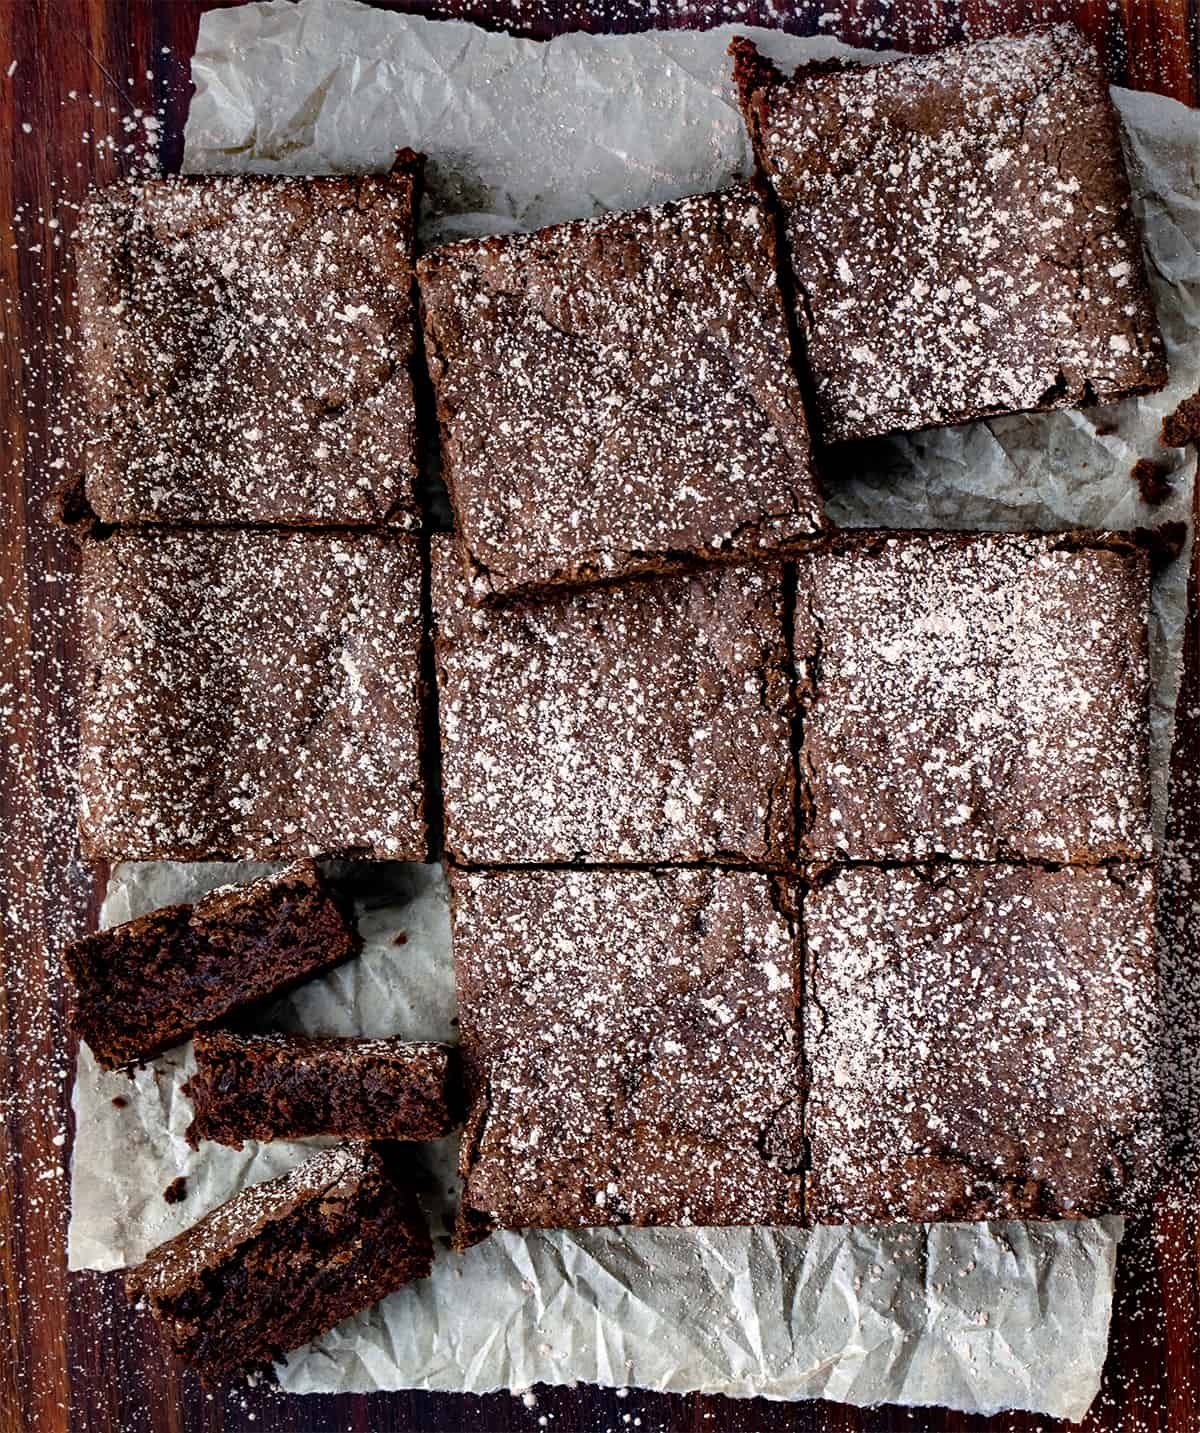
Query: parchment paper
[975,1317]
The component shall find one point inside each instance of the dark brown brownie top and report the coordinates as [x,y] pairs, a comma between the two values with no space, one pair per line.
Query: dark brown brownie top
[982,696]
[630,1039]
[246,349]
[616,392]
[644,722]
[284,1086]
[251,695]
[980,1043]
[960,232]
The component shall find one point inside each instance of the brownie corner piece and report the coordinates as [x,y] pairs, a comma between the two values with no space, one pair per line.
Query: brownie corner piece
[981,1043]
[284,1261]
[251,695]
[630,1049]
[978,696]
[246,348]
[960,232]
[647,721]
[147,984]
[619,392]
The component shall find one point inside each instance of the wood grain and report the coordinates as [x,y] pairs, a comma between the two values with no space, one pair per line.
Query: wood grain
[72,1354]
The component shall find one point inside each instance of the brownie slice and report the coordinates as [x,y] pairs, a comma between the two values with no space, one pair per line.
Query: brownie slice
[980,1043]
[630,1045]
[247,344]
[146,985]
[284,1261]
[617,393]
[266,1087]
[251,695]
[642,722]
[960,232]
[982,696]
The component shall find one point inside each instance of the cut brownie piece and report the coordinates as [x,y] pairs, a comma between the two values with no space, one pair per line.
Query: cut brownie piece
[976,695]
[616,393]
[284,1261]
[960,232]
[251,695]
[631,1048]
[246,349]
[980,1043]
[644,722]
[148,984]
[267,1087]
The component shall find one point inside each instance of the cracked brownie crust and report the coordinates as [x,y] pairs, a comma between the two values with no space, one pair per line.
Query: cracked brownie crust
[647,722]
[960,232]
[265,1087]
[630,1046]
[246,349]
[980,1043]
[981,696]
[284,1261]
[617,392]
[251,695]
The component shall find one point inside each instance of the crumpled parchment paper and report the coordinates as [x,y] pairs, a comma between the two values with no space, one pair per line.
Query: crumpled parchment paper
[974,1317]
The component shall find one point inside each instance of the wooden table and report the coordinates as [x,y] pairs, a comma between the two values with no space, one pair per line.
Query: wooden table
[75,75]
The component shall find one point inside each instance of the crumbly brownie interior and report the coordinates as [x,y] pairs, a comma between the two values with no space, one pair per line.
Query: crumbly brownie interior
[284,1261]
[147,985]
[265,1087]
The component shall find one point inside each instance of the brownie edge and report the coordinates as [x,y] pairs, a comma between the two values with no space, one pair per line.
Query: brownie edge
[284,1261]
[265,1087]
[146,985]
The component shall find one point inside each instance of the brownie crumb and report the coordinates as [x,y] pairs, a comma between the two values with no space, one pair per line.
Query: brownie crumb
[1152,480]
[1183,426]
[401,939]
[176,1191]
[120,1101]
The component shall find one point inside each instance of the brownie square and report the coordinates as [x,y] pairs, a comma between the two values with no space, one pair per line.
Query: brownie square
[980,1043]
[265,1087]
[630,1048]
[960,232]
[616,393]
[147,984]
[251,695]
[247,344]
[644,722]
[284,1261]
[975,695]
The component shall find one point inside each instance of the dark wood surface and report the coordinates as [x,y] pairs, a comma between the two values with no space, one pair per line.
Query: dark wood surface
[75,77]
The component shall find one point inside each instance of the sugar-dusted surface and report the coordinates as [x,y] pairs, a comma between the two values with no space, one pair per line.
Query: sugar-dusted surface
[246,349]
[980,1043]
[616,392]
[960,232]
[251,695]
[631,1048]
[981,696]
[644,722]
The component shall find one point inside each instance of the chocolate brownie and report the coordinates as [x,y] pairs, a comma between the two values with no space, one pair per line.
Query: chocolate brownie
[630,1046]
[246,349]
[980,1043]
[284,1261]
[616,393]
[642,722]
[267,1087]
[251,695]
[960,232]
[148,984]
[975,695]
